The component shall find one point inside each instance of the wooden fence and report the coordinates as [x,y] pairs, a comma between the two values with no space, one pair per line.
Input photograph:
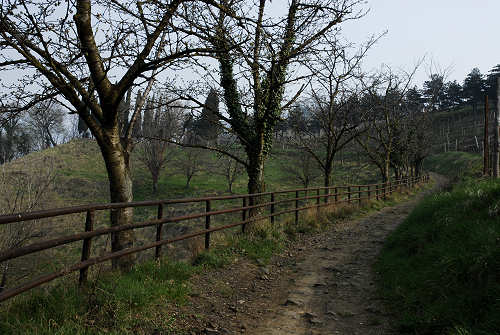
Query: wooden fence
[299,199]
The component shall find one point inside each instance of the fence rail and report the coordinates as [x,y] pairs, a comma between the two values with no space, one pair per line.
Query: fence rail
[339,194]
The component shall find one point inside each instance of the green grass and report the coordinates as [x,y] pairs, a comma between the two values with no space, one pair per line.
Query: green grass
[455,164]
[440,269]
[114,304]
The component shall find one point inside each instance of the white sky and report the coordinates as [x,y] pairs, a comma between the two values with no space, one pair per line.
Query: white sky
[455,34]
[462,34]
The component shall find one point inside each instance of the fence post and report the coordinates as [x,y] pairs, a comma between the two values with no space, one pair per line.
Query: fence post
[317,199]
[207,225]
[272,208]
[89,226]
[159,227]
[336,194]
[369,192]
[349,194]
[376,191]
[385,190]
[327,193]
[296,207]
[359,195]
[244,214]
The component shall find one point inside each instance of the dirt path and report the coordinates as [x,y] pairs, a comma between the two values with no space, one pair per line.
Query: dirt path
[325,287]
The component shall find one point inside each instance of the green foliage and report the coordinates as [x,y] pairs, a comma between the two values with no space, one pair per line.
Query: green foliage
[440,269]
[455,164]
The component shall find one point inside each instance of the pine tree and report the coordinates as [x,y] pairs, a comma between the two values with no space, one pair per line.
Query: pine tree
[207,125]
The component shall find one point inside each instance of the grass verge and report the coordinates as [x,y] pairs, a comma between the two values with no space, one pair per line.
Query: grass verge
[440,270]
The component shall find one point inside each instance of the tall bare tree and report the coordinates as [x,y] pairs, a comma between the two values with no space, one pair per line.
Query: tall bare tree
[334,106]
[165,123]
[46,121]
[384,112]
[87,55]
[258,58]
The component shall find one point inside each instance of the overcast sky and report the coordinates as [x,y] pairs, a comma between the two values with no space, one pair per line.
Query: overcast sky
[462,34]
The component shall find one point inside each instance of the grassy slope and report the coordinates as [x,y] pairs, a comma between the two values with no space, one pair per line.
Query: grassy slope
[440,269]
[82,175]
[455,164]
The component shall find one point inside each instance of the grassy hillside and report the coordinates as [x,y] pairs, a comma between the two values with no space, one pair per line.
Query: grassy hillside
[441,269]
[455,164]
[81,175]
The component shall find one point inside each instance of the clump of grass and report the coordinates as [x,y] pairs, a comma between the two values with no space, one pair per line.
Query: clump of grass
[440,268]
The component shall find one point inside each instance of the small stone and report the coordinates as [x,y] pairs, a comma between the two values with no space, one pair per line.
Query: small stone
[241,301]
[211,331]
[293,302]
[310,315]
[315,321]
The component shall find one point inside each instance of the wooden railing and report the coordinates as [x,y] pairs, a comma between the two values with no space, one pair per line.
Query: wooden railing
[315,197]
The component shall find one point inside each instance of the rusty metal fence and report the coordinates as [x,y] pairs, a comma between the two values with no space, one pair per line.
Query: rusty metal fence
[279,203]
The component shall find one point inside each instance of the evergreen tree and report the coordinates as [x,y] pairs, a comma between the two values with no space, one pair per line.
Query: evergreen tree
[474,87]
[207,125]
[414,99]
[434,92]
[454,94]
[491,82]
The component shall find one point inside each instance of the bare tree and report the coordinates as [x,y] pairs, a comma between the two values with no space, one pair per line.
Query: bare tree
[335,118]
[15,140]
[384,114]
[230,169]
[191,162]
[165,123]
[258,58]
[87,56]
[301,166]
[46,120]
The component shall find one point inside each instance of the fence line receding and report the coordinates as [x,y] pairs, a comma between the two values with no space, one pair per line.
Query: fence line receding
[279,203]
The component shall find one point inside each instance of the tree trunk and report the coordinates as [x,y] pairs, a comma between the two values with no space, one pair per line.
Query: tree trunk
[255,171]
[154,177]
[117,163]
[327,177]
[496,153]
[386,169]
